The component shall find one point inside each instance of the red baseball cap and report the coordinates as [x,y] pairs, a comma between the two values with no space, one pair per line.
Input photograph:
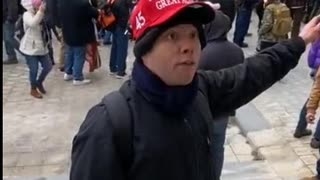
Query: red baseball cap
[153,13]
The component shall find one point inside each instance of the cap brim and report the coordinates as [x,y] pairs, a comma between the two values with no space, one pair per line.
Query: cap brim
[203,12]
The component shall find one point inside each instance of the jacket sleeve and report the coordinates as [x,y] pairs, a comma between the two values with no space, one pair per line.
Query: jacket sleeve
[93,151]
[314,97]
[33,20]
[267,22]
[312,56]
[230,88]
[12,10]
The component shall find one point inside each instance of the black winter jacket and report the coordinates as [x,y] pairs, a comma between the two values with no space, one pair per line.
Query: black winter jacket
[171,148]
[228,7]
[121,12]
[77,24]
[52,16]
[10,10]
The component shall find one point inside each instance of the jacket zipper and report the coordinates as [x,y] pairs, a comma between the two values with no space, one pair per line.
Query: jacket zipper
[195,149]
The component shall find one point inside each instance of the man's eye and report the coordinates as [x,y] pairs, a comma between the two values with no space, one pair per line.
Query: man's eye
[194,35]
[172,36]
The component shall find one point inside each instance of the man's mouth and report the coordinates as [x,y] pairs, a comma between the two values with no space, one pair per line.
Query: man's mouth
[187,63]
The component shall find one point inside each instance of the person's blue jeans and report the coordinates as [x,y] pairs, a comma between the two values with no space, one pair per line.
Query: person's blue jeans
[33,64]
[302,123]
[119,51]
[107,38]
[242,24]
[75,58]
[219,127]
[9,41]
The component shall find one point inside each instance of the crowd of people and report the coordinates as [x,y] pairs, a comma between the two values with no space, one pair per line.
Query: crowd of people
[29,27]
[167,121]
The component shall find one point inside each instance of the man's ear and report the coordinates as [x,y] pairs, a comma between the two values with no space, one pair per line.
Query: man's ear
[145,58]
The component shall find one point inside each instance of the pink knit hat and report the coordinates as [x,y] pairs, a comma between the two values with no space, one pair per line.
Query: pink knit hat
[36,3]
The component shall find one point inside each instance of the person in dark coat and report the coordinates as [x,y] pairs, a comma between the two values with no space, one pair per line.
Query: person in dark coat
[228,7]
[9,18]
[312,10]
[52,16]
[297,9]
[53,20]
[163,132]
[78,31]
[259,11]
[120,39]
[219,47]
[244,12]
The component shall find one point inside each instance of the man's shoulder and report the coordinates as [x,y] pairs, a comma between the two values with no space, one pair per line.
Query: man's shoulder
[96,121]
[99,117]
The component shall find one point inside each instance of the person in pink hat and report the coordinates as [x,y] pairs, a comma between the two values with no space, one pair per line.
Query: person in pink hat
[34,45]
[155,126]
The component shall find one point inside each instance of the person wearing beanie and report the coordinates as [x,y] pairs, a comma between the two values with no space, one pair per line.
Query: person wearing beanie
[220,47]
[34,45]
[156,125]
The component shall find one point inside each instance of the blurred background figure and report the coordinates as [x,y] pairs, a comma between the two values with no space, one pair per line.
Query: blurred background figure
[227,54]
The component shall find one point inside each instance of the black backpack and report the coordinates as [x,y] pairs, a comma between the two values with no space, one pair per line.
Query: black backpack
[119,107]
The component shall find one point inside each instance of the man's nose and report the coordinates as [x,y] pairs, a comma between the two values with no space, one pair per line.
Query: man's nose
[187,46]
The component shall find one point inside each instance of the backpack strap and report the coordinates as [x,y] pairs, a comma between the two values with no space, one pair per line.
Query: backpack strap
[121,118]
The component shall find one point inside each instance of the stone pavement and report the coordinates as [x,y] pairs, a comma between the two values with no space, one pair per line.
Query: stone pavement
[38,133]
[281,105]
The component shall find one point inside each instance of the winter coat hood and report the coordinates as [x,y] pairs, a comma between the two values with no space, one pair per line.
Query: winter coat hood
[218,28]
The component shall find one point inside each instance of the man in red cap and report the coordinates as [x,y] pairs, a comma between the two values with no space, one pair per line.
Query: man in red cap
[155,127]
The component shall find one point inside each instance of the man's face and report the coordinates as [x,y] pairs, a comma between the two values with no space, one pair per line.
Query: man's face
[175,55]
